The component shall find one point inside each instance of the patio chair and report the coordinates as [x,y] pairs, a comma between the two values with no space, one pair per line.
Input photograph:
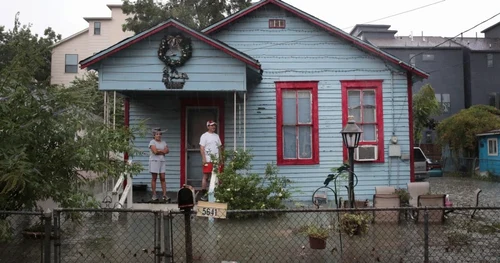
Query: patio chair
[386,201]
[385,190]
[431,200]
[417,188]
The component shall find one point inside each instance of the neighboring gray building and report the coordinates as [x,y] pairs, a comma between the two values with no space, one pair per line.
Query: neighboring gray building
[463,71]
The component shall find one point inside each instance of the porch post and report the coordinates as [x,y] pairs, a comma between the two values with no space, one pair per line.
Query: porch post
[244,121]
[234,120]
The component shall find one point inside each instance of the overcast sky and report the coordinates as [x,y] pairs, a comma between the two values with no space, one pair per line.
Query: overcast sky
[443,18]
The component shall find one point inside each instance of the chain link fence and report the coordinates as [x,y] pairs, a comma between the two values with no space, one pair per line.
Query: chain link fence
[22,236]
[462,234]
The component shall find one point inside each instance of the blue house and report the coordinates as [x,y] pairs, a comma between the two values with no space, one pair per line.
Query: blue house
[279,82]
[489,160]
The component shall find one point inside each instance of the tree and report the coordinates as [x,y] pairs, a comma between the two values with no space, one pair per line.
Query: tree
[49,134]
[196,14]
[459,131]
[36,56]
[425,105]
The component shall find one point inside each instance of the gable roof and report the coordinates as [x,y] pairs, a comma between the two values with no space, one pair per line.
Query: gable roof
[368,47]
[170,23]
[70,37]
[490,28]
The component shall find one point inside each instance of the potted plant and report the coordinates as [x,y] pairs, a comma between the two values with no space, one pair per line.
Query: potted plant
[355,223]
[317,236]
[404,196]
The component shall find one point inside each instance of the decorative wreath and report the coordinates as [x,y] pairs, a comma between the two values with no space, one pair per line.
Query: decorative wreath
[180,42]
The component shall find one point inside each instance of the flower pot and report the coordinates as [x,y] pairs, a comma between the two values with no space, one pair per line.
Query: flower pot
[317,243]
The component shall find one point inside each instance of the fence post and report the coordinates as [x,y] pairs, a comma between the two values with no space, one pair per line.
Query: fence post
[167,236]
[57,240]
[47,217]
[157,237]
[189,235]
[426,235]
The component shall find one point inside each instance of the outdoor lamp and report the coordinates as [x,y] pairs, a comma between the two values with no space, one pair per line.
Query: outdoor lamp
[350,135]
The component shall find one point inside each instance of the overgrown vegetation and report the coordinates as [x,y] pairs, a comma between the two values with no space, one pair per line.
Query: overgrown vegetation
[243,190]
[459,131]
[49,134]
[425,105]
[355,223]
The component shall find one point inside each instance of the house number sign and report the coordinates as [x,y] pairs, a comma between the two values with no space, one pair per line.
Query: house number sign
[208,209]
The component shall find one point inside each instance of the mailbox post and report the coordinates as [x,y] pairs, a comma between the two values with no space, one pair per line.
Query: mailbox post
[185,201]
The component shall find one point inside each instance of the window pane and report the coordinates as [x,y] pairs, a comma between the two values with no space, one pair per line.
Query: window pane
[71,59]
[305,142]
[289,108]
[368,132]
[354,101]
[369,114]
[428,57]
[369,97]
[71,69]
[304,107]
[289,143]
[446,103]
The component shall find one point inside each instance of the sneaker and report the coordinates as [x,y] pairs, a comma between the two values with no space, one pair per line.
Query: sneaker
[166,199]
[153,198]
[204,198]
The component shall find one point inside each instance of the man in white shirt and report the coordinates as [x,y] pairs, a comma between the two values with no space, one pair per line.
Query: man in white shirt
[210,144]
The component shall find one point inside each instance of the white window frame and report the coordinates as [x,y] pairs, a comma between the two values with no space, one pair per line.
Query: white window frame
[494,141]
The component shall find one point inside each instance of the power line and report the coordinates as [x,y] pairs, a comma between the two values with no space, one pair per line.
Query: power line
[404,12]
[451,38]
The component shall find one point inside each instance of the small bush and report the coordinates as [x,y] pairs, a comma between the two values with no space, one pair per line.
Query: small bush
[250,191]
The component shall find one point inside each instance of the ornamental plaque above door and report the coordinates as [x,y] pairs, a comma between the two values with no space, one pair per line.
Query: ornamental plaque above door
[175,50]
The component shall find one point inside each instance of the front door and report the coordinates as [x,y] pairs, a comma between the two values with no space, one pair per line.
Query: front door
[194,125]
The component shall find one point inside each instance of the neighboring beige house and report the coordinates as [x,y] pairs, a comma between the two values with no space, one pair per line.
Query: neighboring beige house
[101,33]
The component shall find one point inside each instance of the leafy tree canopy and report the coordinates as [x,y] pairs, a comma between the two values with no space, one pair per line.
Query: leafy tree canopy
[196,14]
[459,131]
[425,105]
[49,134]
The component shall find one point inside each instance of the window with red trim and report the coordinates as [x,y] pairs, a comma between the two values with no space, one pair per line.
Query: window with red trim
[363,100]
[297,122]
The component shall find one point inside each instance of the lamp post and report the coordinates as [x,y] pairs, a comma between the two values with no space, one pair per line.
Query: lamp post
[350,135]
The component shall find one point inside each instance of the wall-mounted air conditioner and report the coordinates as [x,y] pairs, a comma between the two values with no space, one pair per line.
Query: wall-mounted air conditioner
[366,153]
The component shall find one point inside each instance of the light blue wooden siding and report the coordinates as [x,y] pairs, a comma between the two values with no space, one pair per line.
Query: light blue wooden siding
[138,68]
[157,111]
[304,52]
[488,163]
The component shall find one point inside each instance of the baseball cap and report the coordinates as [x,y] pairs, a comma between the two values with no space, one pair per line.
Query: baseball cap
[211,122]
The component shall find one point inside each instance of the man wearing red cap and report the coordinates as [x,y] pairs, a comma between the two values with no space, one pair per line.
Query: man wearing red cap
[209,145]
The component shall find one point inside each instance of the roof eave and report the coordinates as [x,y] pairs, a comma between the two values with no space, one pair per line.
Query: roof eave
[69,38]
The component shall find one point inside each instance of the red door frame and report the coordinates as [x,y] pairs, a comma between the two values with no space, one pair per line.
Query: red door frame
[219,103]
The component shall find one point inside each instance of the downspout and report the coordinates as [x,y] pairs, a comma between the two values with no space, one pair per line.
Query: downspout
[234,120]
[244,121]
[410,123]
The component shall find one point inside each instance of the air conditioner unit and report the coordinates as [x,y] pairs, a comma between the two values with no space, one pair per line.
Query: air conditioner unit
[366,153]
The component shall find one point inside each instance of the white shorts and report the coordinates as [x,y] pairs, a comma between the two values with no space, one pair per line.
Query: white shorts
[157,167]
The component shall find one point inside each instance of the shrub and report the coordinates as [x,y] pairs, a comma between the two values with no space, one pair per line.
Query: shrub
[243,190]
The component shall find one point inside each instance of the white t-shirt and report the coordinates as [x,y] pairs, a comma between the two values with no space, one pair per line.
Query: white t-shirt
[211,142]
[159,146]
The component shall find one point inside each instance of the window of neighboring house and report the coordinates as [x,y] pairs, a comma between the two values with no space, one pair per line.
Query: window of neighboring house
[363,100]
[428,57]
[492,147]
[444,101]
[494,100]
[97,28]
[297,122]
[412,60]
[277,23]
[71,64]
[489,58]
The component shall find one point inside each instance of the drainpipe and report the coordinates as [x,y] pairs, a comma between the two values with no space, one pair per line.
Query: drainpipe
[244,121]
[234,119]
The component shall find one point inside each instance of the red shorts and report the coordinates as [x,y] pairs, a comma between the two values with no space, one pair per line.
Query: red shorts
[208,167]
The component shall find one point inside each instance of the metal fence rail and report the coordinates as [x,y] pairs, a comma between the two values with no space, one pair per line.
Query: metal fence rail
[392,235]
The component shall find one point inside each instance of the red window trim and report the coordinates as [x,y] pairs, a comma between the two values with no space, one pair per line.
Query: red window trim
[297,85]
[366,84]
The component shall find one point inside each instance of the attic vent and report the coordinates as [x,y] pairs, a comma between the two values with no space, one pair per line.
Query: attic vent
[277,23]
